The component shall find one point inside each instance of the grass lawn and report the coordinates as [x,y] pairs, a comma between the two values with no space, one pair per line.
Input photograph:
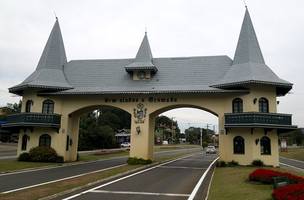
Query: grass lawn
[294,153]
[231,183]
[92,157]
[13,165]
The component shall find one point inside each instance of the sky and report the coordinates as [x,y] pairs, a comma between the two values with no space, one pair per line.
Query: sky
[105,29]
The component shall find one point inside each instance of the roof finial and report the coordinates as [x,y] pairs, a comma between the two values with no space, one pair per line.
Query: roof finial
[55,15]
[245,3]
[145,30]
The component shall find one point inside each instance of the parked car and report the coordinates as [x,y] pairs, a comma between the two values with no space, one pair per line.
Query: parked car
[210,150]
[125,145]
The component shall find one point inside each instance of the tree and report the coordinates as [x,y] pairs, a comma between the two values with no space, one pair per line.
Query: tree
[97,128]
[167,129]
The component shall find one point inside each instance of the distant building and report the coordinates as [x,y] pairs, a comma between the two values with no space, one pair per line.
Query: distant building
[122,136]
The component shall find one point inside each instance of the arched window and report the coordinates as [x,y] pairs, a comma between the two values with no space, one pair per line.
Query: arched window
[237,105]
[45,140]
[265,145]
[263,105]
[24,142]
[48,106]
[238,145]
[28,105]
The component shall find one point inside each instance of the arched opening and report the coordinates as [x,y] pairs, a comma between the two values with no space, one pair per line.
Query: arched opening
[45,140]
[265,145]
[185,124]
[263,105]
[100,127]
[48,106]
[237,105]
[238,145]
[28,106]
[24,142]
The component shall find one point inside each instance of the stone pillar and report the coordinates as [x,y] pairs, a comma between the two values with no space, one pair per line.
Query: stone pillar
[142,138]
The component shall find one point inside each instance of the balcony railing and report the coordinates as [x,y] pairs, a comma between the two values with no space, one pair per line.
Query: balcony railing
[33,120]
[255,119]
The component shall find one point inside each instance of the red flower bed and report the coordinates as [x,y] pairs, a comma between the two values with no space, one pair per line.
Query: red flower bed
[289,192]
[266,175]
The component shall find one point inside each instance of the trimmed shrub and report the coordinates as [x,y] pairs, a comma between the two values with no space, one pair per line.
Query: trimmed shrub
[289,192]
[59,159]
[257,163]
[138,161]
[232,163]
[43,154]
[266,176]
[221,163]
[24,157]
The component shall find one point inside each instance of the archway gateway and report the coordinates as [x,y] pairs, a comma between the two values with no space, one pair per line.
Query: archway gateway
[242,92]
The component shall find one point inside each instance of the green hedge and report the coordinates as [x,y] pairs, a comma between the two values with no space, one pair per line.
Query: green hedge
[138,161]
[41,154]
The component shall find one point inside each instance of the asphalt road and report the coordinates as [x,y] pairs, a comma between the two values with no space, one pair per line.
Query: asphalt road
[175,180]
[17,181]
[293,163]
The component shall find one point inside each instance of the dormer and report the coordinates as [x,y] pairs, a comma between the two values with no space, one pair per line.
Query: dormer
[142,68]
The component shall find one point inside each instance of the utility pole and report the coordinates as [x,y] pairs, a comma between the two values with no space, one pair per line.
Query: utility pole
[172,122]
[201,137]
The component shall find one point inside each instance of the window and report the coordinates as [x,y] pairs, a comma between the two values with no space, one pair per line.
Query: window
[48,107]
[265,145]
[263,105]
[45,140]
[67,143]
[237,105]
[24,142]
[238,145]
[28,105]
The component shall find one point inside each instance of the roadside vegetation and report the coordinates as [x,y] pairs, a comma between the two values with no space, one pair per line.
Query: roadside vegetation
[294,153]
[232,183]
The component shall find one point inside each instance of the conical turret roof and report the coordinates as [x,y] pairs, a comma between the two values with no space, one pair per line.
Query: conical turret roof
[144,58]
[49,72]
[248,48]
[248,66]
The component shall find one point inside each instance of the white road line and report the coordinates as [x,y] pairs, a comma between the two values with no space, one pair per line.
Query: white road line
[196,188]
[292,159]
[199,160]
[209,186]
[181,167]
[57,180]
[300,169]
[141,193]
[122,178]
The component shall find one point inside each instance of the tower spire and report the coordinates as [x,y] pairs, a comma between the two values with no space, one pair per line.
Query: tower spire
[49,71]
[248,48]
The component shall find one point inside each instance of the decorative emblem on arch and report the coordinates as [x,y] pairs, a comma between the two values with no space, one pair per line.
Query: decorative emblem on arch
[140,113]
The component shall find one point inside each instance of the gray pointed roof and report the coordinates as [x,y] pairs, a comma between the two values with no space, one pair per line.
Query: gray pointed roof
[248,65]
[49,71]
[248,48]
[144,58]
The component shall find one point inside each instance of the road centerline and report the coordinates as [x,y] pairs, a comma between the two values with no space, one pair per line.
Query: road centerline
[181,167]
[141,193]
